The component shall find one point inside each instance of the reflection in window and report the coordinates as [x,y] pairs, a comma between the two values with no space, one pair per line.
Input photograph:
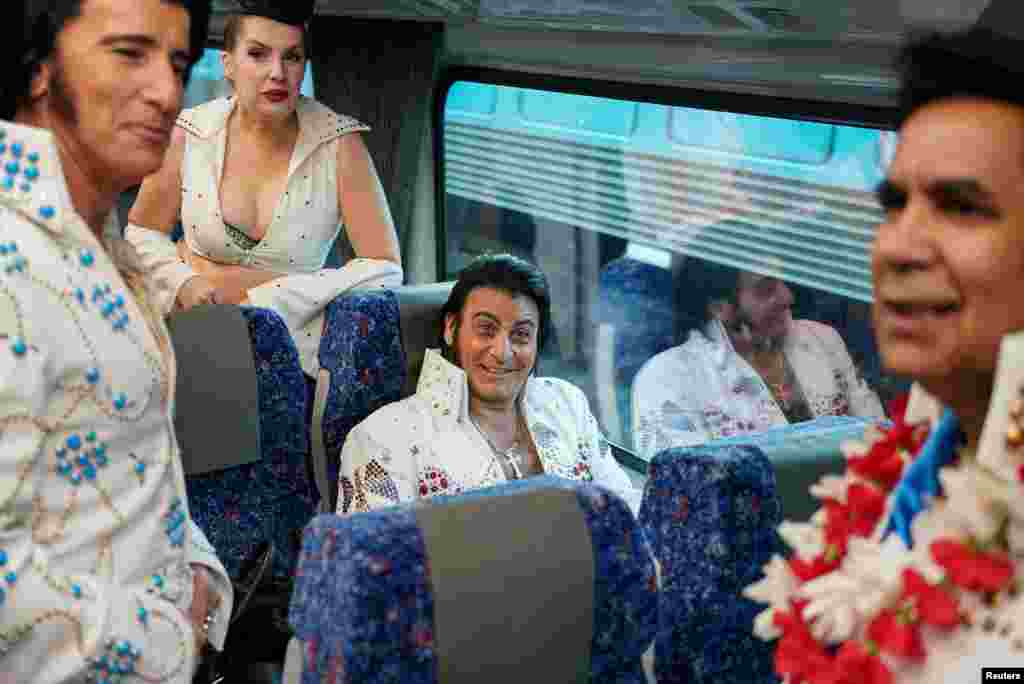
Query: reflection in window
[615,199]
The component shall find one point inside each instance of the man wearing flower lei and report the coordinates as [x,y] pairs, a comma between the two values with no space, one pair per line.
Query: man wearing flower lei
[913,569]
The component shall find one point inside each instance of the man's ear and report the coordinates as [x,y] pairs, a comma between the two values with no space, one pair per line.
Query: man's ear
[227,62]
[449,329]
[40,85]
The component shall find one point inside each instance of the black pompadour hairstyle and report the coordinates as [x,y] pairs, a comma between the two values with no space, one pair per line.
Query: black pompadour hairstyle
[509,274]
[43,20]
[976,63]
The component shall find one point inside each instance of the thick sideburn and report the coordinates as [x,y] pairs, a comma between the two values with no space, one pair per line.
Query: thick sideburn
[61,102]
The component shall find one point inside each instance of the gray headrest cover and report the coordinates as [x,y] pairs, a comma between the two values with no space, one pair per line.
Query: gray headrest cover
[419,310]
[217,409]
[513,580]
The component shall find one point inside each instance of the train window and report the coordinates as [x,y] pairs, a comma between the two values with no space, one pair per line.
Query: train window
[632,208]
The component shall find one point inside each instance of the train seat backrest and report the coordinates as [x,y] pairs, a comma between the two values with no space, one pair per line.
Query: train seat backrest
[420,314]
[539,580]
[801,454]
[371,352]
[710,514]
[242,431]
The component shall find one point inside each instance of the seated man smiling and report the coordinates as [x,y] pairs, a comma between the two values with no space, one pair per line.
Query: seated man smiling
[479,416]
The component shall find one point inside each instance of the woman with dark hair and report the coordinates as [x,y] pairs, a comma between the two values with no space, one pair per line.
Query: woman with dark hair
[479,416]
[742,365]
[262,183]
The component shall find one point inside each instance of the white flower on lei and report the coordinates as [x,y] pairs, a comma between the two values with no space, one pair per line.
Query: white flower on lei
[831,487]
[869,579]
[776,589]
[979,500]
[806,539]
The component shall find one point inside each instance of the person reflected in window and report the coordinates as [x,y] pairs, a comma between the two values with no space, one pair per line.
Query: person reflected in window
[743,365]
[480,416]
[262,182]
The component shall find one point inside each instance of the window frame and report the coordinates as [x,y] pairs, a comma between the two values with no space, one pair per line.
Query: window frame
[839,113]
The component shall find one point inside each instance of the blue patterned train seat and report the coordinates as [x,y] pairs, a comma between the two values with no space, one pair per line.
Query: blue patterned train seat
[271,499]
[710,514]
[361,349]
[385,596]
[372,350]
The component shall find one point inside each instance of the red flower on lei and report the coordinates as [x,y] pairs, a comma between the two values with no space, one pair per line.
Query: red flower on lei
[883,464]
[971,568]
[898,630]
[801,658]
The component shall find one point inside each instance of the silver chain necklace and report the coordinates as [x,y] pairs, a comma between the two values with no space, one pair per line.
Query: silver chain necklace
[513,456]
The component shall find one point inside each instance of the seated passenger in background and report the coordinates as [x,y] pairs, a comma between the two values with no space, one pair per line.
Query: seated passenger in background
[262,182]
[479,417]
[745,365]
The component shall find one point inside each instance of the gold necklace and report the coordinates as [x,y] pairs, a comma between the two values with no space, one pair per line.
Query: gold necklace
[779,386]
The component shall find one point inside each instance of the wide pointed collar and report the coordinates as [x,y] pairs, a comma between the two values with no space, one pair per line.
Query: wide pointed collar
[317,123]
[1000,446]
[32,181]
[445,387]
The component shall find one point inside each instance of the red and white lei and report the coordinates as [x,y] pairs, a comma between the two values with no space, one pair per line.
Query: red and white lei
[848,607]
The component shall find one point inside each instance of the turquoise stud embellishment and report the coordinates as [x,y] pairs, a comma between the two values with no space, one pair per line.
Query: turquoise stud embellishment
[174,523]
[16,150]
[32,157]
[86,258]
[18,347]
[47,212]
[92,376]
[120,401]
[117,663]
[76,464]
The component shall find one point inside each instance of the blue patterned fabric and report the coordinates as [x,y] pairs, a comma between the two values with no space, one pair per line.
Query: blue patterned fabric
[363,605]
[271,500]
[710,513]
[361,347]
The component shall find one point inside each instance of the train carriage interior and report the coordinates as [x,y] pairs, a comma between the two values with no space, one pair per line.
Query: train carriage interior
[615,144]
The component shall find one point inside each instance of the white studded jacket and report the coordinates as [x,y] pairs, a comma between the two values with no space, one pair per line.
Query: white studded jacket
[96,543]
